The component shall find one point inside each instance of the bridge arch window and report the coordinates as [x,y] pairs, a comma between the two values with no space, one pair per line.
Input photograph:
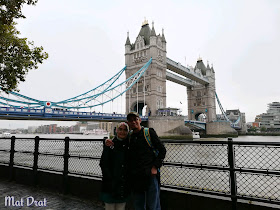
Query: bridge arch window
[159,103]
[159,73]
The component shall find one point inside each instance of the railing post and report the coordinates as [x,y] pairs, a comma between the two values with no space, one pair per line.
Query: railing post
[12,154]
[231,162]
[35,164]
[65,168]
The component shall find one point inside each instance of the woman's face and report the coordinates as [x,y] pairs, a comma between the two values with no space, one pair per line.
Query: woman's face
[122,132]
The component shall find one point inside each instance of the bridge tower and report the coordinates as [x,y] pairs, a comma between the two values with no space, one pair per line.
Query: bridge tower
[201,98]
[150,91]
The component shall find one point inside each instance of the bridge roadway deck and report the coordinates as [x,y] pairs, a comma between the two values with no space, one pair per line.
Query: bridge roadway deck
[54,201]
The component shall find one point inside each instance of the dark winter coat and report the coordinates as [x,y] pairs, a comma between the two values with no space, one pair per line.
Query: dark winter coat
[113,164]
[142,159]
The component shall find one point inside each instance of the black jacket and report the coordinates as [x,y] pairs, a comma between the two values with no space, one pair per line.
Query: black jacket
[113,164]
[142,159]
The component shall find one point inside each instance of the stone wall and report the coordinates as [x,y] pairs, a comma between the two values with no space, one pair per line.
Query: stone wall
[220,128]
[167,125]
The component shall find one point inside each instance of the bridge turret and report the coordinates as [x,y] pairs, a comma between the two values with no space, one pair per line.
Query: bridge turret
[201,98]
[208,70]
[147,45]
[153,37]
[127,48]
[163,41]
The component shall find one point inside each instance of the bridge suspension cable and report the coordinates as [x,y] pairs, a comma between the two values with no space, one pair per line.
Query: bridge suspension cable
[224,113]
[98,96]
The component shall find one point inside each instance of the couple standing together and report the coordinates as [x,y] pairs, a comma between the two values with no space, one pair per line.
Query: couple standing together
[130,166]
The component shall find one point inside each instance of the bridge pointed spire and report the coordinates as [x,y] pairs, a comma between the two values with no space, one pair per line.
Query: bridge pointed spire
[153,32]
[127,39]
[163,37]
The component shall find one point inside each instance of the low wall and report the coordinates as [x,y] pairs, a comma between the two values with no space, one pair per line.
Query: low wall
[89,188]
[220,128]
[164,125]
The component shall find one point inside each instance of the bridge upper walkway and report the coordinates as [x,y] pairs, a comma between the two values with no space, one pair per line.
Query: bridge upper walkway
[184,71]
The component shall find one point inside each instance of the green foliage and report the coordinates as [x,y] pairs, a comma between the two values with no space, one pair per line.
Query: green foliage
[263,129]
[253,129]
[17,55]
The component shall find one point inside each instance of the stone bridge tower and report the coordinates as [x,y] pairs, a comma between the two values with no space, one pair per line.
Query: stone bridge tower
[151,87]
[201,98]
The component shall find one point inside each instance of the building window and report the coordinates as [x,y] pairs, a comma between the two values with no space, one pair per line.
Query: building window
[159,73]
[194,104]
[141,44]
[137,45]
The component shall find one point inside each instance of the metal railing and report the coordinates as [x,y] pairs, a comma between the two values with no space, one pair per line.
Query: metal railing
[234,169]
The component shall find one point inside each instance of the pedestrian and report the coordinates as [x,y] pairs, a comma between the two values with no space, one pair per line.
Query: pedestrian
[144,164]
[113,164]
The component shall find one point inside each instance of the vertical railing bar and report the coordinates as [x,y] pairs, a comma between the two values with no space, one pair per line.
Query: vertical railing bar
[231,162]
[12,154]
[35,163]
[66,165]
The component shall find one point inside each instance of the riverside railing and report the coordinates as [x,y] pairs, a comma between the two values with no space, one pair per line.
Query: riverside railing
[233,169]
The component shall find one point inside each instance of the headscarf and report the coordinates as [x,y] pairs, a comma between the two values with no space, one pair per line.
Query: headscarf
[119,125]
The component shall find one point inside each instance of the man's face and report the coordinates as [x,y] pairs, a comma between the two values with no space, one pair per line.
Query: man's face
[134,122]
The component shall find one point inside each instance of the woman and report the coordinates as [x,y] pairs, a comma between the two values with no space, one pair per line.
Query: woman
[113,164]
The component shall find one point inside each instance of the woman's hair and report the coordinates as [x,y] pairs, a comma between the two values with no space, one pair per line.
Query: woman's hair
[123,123]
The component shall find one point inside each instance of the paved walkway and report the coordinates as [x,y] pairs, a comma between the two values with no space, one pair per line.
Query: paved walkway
[47,200]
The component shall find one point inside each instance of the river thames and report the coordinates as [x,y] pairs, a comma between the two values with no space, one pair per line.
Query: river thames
[79,136]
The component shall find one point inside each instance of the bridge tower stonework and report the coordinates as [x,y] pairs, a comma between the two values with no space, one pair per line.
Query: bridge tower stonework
[201,98]
[152,87]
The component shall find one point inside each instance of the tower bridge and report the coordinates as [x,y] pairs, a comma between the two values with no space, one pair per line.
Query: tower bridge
[147,68]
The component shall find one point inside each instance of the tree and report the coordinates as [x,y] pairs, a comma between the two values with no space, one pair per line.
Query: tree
[17,55]
[263,129]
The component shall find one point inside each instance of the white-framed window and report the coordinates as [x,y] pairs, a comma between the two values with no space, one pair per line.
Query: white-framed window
[159,103]
[159,89]
[159,73]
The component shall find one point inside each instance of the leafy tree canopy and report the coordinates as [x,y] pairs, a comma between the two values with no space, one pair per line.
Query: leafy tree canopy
[17,55]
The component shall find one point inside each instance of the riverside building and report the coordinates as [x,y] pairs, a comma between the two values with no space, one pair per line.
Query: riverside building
[271,119]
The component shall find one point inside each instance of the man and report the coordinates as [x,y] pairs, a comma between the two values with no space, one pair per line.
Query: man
[144,165]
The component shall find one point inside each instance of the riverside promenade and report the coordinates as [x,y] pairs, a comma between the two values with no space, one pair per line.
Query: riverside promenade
[54,201]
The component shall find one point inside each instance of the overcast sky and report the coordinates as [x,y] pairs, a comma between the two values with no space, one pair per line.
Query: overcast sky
[240,37]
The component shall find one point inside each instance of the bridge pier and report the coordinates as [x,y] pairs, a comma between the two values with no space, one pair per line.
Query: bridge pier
[220,129]
[169,126]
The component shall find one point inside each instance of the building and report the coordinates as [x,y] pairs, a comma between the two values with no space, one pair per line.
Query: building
[271,119]
[106,126]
